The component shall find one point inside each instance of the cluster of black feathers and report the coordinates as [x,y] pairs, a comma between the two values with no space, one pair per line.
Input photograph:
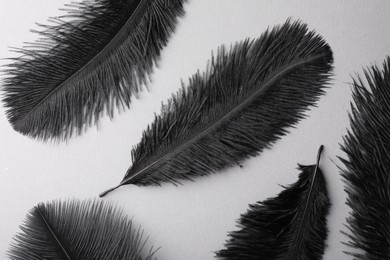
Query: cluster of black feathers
[83,230]
[87,62]
[367,173]
[99,55]
[241,105]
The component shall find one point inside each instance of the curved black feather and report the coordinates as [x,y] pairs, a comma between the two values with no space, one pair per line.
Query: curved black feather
[89,61]
[241,105]
[78,230]
[290,226]
[367,172]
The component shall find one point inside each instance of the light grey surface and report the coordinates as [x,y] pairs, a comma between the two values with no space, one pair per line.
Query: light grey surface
[192,221]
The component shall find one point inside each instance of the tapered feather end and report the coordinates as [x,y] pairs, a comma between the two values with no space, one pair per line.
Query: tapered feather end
[289,226]
[88,230]
[104,193]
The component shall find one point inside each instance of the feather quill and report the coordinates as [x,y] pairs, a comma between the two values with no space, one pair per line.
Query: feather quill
[241,105]
[290,226]
[85,230]
[367,165]
[87,62]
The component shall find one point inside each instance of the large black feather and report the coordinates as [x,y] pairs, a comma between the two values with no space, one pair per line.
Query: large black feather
[89,61]
[367,172]
[290,226]
[241,105]
[78,230]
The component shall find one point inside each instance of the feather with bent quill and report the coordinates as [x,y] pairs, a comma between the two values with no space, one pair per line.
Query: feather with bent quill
[290,226]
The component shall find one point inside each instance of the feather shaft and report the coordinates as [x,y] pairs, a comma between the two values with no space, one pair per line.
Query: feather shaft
[298,238]
[53,233]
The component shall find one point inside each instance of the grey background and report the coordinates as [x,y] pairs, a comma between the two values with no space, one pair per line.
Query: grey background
[192,221]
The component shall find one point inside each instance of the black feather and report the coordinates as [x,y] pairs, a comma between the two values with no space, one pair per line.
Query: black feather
[89,61]
[241,105]
[83,230]
[367,171]
[290,226]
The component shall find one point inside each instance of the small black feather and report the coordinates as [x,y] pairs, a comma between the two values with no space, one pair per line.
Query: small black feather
[367,172]
[241,105]
[89,61]
[290,226]
[78,230]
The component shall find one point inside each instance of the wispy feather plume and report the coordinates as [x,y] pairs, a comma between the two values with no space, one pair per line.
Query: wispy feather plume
[241,105]
[87,230]
[290,226]
[87,62]
[367,166]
